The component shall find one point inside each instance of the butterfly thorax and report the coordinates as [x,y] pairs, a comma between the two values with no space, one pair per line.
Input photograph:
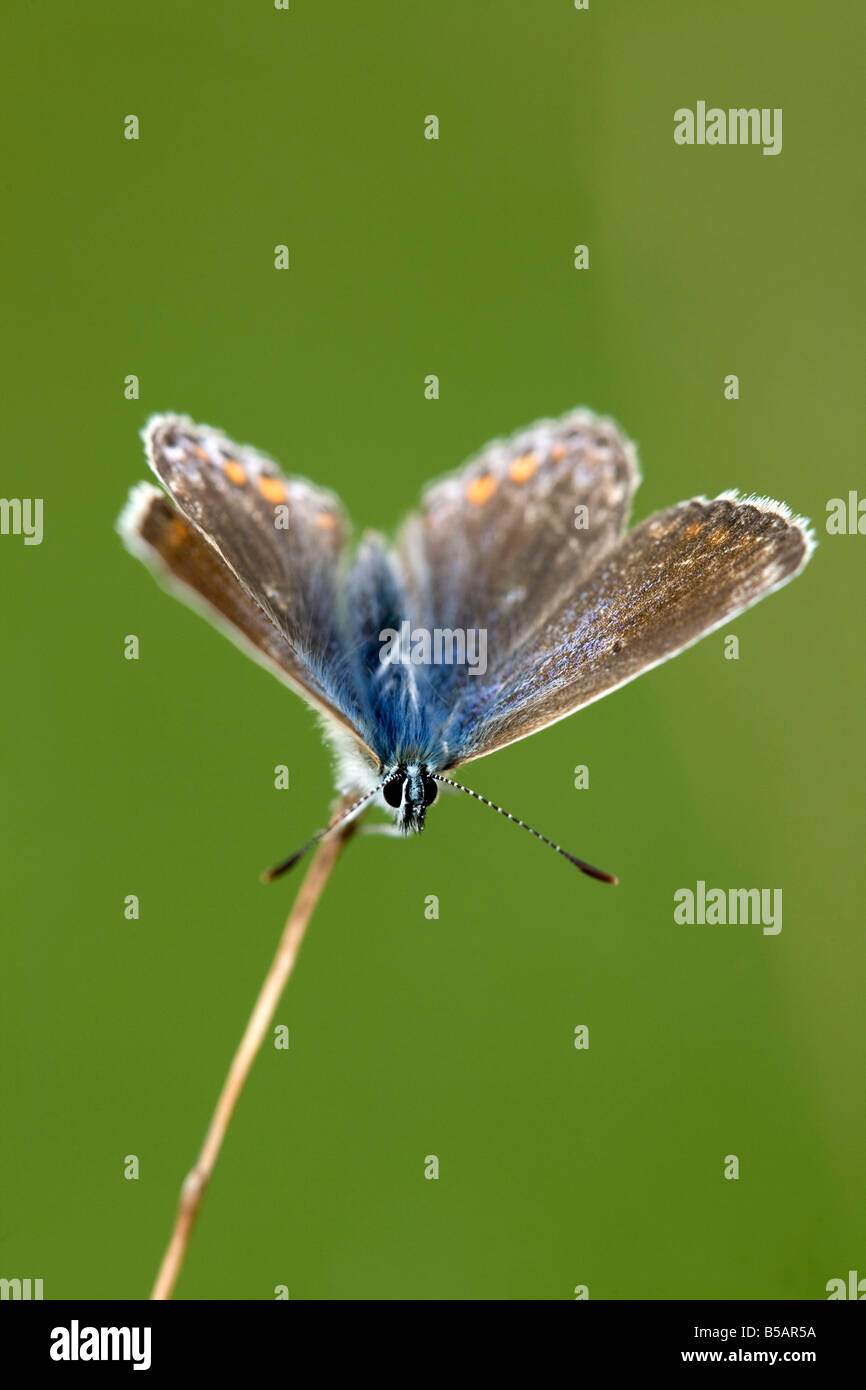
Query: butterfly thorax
[409,790]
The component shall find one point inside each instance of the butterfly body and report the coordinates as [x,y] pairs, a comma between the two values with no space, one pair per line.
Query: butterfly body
[513,597]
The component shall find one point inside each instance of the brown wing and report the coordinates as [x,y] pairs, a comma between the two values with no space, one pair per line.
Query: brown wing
[284,538]
[500,543]
[676,577]
[155,531]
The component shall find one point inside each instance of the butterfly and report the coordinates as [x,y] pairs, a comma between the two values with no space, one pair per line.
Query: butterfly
[526,547]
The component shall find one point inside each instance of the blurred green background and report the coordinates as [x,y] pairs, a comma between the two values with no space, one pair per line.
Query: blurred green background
[411,1037]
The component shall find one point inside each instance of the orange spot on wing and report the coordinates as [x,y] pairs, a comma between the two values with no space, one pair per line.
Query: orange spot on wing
[177,531]
[558,452]
[325,521]
[520,470]
[480,490]
[716,537]
[235,472]
[200,453]
[693,529]
[272,489]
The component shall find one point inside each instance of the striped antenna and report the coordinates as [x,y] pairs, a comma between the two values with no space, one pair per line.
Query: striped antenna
[578,863]
[283,868]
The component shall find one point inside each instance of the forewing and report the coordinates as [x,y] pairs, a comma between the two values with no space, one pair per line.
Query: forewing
[679,575]
[157,533]
[497,545]
[281,539]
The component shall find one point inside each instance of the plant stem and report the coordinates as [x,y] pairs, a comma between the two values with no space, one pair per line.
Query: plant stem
[196,1181]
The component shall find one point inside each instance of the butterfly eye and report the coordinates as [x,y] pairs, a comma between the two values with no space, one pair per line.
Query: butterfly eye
[431,788]
[393,791]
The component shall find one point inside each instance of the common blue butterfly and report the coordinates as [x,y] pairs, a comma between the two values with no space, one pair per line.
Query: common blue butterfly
[527,545]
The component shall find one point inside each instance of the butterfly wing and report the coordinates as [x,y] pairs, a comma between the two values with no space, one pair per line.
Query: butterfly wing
[497,545]
[261,553]
[679,575]
[525,543]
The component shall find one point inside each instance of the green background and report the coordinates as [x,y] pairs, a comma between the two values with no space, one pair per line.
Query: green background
[410,1037]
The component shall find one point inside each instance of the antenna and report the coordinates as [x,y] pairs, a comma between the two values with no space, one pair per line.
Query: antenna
[578,863]
[283,868]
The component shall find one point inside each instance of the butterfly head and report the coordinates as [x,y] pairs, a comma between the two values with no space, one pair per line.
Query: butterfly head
[409,790]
